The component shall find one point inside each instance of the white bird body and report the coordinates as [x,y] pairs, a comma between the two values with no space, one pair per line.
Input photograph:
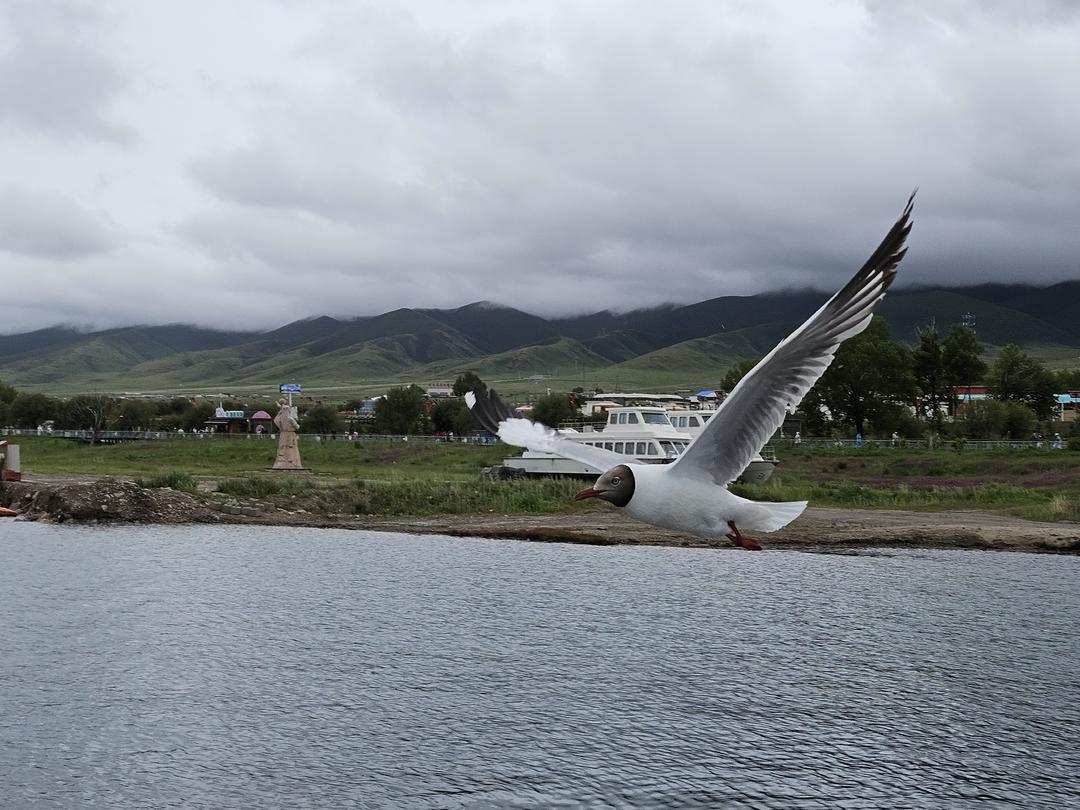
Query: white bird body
[700,507]
[690,494]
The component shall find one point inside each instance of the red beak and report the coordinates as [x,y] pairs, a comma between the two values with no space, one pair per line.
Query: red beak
[586,493]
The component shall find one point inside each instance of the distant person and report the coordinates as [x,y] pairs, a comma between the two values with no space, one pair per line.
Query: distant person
[1058,444]
[858,440]
[895,439]
[798,437]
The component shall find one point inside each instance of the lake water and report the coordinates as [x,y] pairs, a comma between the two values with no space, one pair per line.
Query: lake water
[260,667]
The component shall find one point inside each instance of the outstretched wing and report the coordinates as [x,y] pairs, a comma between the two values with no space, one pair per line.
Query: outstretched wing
[776,385]
[497,417]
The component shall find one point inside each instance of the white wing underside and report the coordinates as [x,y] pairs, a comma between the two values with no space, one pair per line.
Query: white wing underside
[775,386]
[542,439]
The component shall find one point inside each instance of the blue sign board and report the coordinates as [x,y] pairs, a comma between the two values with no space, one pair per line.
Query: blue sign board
[289,388]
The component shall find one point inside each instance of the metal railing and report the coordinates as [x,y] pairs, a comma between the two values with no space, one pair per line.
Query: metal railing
[109,436]
[815,442]
[922,444]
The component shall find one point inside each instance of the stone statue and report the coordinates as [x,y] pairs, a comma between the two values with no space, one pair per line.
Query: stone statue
[288,454]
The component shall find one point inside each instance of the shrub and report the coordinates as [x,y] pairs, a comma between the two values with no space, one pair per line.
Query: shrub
[175,480]
[262,486]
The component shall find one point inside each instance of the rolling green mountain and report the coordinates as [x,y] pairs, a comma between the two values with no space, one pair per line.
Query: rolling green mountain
[666,344]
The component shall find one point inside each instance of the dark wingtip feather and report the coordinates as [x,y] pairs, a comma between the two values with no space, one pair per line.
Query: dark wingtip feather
[888,255]
[489,410]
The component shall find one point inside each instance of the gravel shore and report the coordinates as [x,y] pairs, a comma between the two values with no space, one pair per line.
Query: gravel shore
[116,501]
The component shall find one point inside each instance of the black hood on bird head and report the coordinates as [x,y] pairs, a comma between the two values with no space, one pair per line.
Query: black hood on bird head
[616,486]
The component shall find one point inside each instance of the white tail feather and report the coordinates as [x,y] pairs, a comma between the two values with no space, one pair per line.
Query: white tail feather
[775,516]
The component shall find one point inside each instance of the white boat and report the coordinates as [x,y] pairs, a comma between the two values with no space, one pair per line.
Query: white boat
[692,422]
[643,434]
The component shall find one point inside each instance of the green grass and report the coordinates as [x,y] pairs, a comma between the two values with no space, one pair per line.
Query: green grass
[231,457]
[419,497]
[1036,484]
[175,480]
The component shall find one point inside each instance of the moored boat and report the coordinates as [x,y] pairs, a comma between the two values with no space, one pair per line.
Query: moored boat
[645,435]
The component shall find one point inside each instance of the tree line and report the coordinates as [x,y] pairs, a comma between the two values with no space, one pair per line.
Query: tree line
[101,412]
[878,386]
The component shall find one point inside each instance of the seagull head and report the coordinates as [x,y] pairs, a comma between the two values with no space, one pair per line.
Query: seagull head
[615,486]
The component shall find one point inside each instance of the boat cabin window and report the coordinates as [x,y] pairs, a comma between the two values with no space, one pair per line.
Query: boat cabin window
[693,421]
[631,418]
[654,450]
[618,447]
[656,418]
[607,445]
[640,450]
[705,417]
[668,448]
[613,419]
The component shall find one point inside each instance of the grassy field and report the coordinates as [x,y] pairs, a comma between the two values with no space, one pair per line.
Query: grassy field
[1036,484]
[231,457]
[424,478]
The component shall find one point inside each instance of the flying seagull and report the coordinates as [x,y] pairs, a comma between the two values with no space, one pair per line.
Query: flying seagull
[690,494]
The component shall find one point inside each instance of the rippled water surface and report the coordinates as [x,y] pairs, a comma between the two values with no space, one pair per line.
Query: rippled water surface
[252,667]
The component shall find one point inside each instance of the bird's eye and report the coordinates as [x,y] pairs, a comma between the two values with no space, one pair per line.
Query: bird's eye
[616,480]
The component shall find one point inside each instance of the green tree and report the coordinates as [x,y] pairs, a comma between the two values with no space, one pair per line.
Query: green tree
[195,415]
[928,366]
[869,376]
[452,416]
[994,419]
[983,419]
[1020,421]
[7,396]
[322,418]
[1016,377]
[30,410]
[175,406]
[1068,379]
[136,414]
[961,363]
[553,409]
[92,412]
[469,381]
[401,411]
[736,373]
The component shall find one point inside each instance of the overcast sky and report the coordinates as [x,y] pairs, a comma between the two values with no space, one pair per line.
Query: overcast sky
[244,164]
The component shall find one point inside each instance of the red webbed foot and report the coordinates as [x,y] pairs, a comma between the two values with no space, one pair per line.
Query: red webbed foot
[741,540]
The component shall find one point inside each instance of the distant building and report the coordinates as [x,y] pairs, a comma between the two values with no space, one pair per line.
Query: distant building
[592,407]
[440,390]
[1068,406]
[643,399]
[238,422]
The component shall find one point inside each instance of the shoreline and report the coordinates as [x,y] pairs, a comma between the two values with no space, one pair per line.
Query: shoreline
[108,500]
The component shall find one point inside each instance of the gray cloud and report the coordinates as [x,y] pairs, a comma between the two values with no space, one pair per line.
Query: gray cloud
[52,78]
[624,154]
[44,224]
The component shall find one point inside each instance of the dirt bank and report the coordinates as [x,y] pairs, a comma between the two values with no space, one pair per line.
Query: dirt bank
[117,501]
